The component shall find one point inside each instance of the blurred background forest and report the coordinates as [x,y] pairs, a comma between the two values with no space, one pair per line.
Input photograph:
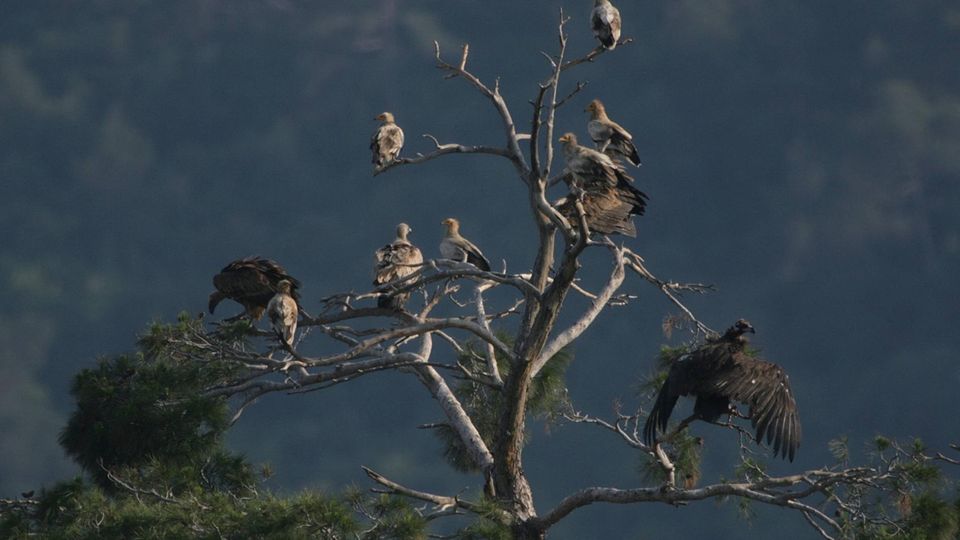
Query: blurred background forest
[804,157]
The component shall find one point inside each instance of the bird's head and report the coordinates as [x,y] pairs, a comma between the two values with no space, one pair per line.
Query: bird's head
[743,326]
[568,139]
[386,117]
[452,225]
[283,286]
[403,230]
[595,107]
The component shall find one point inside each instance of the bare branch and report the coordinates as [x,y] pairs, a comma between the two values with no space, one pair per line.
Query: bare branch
[441,501]
[513,143]
[576,329]
[443,149]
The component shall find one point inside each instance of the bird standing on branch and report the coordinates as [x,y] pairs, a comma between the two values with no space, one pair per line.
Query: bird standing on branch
[394,261]
[386,141]
[605,20]
[453,246]
[608,136]
[251,282]
[722,371]
[609,200]
[283,313]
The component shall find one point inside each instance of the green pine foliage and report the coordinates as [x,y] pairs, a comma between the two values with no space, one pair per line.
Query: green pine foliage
[146,412]
[76,510]
[547,399]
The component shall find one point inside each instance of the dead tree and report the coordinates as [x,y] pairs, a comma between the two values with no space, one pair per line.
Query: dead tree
[539,290]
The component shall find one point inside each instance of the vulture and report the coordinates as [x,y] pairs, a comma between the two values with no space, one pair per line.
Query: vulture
[609,199]
[721,371]
[283,313]
[386,141]
[396,260]
[453,246]
[607,210]
[589,166]
[605,20]
[251,282]
[609,136]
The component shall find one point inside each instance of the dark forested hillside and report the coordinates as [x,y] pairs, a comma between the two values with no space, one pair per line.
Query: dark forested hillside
[804,157]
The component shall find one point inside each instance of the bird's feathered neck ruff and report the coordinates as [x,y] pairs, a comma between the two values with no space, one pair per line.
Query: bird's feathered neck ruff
[402,233]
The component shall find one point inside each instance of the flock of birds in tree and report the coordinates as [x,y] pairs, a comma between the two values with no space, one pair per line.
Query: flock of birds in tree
[719,372]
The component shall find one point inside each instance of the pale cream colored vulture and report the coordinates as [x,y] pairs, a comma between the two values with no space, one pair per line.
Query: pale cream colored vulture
[394,261]
[386,141]
[605,20]
[609,200]
[589,166]
[609,136]
[453,246]
[283,313]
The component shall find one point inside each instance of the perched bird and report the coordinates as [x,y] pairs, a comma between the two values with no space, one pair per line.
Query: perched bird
[605,20]
[609,136]
[453,246]
[607,210]
[609,199]
[283,313]
[394,261]
[720,371]
[251,282]
[589,166]
[386,141]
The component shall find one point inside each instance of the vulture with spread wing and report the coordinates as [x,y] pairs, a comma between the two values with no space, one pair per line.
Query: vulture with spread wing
[609,199]
[386,141]
[283,312]
[453,246]
[394,261]
[722,371]
[609,136]
[251,282]
[605,20]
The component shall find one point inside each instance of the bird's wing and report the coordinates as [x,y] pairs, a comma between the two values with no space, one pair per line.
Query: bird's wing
[383,265]
[687,376]
[592,166]
[765,387]
[599,131]
[474,255]
[604,211]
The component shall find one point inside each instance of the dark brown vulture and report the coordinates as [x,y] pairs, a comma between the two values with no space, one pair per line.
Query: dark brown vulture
[283,313]
[394,261]
[251,282]
[386,141]
[609,136]
[453,246]
[721,371]
[609,199]
[605,20]
[607,210]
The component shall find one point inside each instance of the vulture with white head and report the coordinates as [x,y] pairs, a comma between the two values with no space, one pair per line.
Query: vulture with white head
[251,282]
[394,261]
[386,141]
[720,372]
[455,247]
